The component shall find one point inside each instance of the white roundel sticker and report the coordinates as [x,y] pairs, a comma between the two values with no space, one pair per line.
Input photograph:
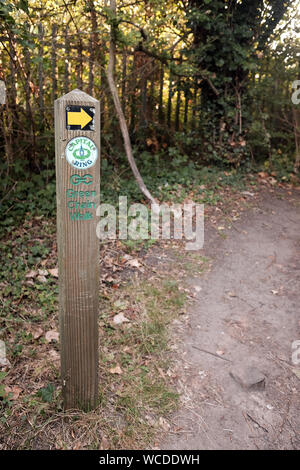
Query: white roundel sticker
[81,153]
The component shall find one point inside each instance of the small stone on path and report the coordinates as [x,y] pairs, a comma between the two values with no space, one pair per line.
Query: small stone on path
[249,378]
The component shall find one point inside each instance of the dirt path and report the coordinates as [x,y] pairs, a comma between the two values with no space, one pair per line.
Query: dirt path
[247,311]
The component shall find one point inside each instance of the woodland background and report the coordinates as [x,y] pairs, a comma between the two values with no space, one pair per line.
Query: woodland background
[204,85]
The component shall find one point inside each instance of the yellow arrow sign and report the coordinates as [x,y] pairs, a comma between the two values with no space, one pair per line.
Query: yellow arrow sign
[80,118]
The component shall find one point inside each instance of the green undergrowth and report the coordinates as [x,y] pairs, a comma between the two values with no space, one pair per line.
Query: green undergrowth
[169,175]
[174,179]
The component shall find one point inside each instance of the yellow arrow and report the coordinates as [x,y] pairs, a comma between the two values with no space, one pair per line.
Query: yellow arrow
[80,118]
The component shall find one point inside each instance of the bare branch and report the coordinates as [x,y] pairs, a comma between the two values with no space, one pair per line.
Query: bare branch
[121,117]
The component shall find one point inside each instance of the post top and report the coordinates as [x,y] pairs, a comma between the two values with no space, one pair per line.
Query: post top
[77,95]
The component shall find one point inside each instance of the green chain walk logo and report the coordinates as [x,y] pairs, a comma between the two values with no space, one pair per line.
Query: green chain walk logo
[81,153]
[76,179]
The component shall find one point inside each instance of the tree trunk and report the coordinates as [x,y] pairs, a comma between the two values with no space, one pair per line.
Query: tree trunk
[53,63]
[160,101]
[133,96]
[169,111]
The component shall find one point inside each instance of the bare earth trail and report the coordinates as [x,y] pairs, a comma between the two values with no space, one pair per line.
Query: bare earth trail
[247,311]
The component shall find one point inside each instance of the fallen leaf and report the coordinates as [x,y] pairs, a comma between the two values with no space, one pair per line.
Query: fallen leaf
[150,420]
[149,142]
[119,319]
[42,279]
[51,335]
[133,263]
[31,274]
[125,258]
[13,392]
[104,444]
[16,392]
[231,294]
[164,424]
[53,272]
[116,370]
[37,333]
[4,362]
[161,372]
[77,446]
[43,272]
[54,355]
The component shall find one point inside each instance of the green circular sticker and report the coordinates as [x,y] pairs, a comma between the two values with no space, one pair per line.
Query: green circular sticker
[81,153]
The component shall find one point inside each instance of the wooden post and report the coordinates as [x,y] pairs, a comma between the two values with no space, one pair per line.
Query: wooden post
[77,148]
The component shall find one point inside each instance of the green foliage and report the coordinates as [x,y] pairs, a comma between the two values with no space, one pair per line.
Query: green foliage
[23,252]
[34,195]
[5,12]
[272,123]
[46,393]
[225,50]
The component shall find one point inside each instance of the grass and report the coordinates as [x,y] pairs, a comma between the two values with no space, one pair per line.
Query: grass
[135,390]
[191,263]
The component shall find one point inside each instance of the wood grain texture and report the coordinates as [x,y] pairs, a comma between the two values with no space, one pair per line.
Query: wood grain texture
[78,254]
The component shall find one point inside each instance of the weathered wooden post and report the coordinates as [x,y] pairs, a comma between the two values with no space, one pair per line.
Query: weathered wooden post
[77,149]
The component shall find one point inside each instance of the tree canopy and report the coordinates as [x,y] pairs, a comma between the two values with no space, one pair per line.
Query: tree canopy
[207,79]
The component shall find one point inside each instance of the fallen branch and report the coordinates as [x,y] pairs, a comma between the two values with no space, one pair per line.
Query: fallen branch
[121,117]
[257,423]
[213,354]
